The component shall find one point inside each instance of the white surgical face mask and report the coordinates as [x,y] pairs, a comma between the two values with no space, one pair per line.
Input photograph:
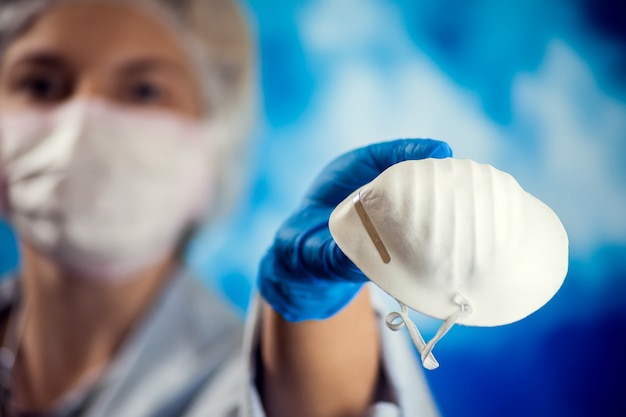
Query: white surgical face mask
[456,240]
[105,190]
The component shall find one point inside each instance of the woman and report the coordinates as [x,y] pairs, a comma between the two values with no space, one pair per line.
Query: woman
[120,123]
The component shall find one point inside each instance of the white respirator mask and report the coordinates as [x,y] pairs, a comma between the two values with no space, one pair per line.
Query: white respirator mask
[105,190]
[455,240]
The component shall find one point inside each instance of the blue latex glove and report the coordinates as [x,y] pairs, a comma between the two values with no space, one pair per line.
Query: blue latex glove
[304,275]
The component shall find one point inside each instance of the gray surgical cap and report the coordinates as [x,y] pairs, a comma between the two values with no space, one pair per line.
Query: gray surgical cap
[215,35]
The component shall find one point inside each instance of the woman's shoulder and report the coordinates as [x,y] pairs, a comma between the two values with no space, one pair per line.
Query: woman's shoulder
[188,344]
[211,315]
[188,315]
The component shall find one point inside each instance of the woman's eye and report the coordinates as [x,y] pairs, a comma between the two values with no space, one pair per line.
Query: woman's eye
[42,88]
[146,92]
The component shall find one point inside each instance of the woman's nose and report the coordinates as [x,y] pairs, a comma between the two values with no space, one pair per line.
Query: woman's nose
[89,88]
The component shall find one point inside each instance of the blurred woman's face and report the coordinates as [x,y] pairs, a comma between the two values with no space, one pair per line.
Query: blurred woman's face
[98,50]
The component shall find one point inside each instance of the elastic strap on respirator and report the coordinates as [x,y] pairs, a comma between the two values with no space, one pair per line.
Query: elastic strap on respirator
[398,319]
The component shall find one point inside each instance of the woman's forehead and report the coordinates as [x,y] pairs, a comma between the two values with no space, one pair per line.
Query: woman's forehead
[93,32]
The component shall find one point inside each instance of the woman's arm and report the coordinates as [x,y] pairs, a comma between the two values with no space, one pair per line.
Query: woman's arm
[320,368]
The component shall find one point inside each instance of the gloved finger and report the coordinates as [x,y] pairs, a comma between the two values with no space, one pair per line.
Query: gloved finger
[386,154]
[304,243]
[356,168]
[321,256]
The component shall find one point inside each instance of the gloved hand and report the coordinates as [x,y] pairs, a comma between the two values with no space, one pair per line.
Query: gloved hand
[304,275]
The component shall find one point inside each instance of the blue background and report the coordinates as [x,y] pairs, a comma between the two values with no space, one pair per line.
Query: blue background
[535,88]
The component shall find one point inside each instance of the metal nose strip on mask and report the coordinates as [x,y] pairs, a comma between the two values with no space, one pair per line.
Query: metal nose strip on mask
[371,230]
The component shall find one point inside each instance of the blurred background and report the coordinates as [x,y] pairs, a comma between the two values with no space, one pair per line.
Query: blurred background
[536,88]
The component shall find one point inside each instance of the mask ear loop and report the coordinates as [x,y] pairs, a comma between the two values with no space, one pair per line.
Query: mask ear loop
[428,360]
[425,349]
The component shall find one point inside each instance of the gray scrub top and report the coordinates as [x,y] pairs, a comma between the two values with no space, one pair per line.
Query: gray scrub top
[191,357]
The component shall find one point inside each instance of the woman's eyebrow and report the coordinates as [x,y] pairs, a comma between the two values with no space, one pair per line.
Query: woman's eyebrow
[143,65]
[41,59]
